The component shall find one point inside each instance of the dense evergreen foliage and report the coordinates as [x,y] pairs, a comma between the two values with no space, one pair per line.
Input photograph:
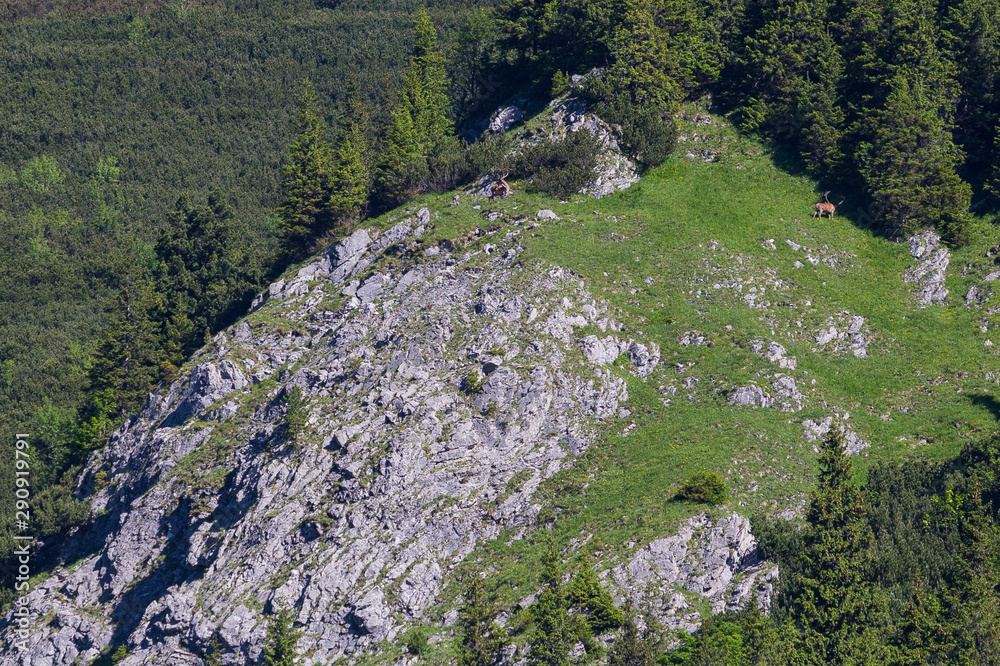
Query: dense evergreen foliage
[705,487]
[296,414]
[900,571]
[883,99]
[481,641]
[279,645]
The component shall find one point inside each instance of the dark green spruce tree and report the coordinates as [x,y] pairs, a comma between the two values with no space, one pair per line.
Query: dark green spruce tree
[971,36]
[307,175]
[481,640]
[351,174]
[910,165]
[126,365]
[663,52]
[419,127]
[632,647]
[208,269]
[281,639]
[839,615]
[586,593]
[787,74]
[402,163]
[551,635]
[972,598]
[425,91]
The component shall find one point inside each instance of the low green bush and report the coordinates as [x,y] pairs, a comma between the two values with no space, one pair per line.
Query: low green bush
[647,134]
[492,156]
[296,414]
[562,168]
[705,487]
[473,382]
[416,641]
[448,166]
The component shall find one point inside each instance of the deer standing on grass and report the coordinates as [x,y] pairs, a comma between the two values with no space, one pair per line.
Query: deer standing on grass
[501,189]
[826,208]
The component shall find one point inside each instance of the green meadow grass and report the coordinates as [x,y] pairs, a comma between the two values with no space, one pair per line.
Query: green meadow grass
[619,495]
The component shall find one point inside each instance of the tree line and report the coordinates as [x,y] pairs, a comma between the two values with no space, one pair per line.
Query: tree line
[893,102]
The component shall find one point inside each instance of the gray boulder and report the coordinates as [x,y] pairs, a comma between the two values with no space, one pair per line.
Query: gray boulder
[505,118]
[929,275]
[717,561]
[750,396]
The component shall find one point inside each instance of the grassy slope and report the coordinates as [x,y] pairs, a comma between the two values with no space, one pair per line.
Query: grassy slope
[932,362]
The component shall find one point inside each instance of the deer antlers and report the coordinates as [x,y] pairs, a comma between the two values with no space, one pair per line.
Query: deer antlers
[501,189]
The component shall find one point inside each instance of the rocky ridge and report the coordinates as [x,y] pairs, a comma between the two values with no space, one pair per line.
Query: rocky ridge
[442,390]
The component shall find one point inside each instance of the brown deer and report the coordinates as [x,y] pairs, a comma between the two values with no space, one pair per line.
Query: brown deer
[826,208]
[501,189]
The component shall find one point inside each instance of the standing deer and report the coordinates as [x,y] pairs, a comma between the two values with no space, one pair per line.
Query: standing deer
[826,208]
[501,189]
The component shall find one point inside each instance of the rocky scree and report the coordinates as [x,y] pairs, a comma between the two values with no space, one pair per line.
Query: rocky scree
[433,382]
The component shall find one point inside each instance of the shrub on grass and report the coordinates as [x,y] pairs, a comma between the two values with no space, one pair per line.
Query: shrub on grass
[416,641]
[704,487]
[647,133]
[562,168]
[493,156]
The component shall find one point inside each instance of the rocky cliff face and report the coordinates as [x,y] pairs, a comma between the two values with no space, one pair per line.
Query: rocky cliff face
[441,390]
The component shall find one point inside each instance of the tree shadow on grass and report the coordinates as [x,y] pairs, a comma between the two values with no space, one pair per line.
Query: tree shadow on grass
[987,402]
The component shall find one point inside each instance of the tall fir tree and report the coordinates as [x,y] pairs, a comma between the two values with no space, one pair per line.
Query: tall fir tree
[419,125]
[402,163]
[971,36]
[351,175]
[126,365]
[663,51]
[481,640]
[631,647]
[973,595]
[586,593]
[204,272]
[788,72]
[910,165]
[305,211]
[839,615]
[645,66]
[425,90]
[551,635]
